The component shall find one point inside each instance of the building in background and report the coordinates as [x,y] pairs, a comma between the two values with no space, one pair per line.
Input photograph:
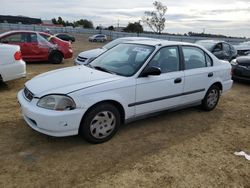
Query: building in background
[19,19]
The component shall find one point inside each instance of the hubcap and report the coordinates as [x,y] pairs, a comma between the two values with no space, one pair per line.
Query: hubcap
[102,124]
[212,98]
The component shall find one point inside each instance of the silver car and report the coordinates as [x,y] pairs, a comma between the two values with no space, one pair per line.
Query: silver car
[98,38]
[87,56]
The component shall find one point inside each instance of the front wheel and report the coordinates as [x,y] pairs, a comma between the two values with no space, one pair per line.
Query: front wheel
[211,98]
[100,123]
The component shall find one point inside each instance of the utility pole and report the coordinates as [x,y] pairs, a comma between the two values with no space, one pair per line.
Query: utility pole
[118,23]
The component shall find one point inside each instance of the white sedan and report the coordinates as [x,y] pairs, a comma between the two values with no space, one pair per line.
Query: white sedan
[11,64]
[126,82]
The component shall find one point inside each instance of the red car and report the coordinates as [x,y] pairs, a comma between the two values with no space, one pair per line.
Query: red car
[38,46]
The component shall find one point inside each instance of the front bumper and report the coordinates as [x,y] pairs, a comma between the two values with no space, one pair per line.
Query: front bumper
[241,73]
[49,122]
[68,54]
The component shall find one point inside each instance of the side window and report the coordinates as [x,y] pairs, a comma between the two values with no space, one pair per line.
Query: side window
[32,38]
[218,47]
[226,47]
[167,59]
[194,57]
[16,38]
[45,37]
[64,36]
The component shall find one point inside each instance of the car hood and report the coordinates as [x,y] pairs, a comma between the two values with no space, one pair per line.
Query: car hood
[92,53]
[243,60]
[67,80]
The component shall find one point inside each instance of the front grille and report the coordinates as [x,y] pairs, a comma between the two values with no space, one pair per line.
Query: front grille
[82,59]
[28,94]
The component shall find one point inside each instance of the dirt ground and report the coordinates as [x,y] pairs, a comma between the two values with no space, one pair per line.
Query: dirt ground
[187,148]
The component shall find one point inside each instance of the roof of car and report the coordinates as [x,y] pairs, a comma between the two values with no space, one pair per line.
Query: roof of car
[137,38]
[19,31]
[211,41]
[159,42]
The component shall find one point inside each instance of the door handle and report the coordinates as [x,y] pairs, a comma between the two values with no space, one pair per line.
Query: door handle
[177,80]
[210,74]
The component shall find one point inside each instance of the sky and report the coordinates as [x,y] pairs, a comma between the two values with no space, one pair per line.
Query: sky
[228,17]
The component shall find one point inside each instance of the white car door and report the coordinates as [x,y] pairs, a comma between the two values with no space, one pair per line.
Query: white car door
[198,73]
[154,93]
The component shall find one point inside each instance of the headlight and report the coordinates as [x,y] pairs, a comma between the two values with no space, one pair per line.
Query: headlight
[57,102]
[234,62]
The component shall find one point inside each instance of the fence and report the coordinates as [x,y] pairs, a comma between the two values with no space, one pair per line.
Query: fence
[111,34]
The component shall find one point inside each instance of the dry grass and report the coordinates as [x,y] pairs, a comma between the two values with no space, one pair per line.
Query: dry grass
[187,148]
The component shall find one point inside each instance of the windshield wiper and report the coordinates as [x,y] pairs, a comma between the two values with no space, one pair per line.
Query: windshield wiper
[103,69]
[88,65]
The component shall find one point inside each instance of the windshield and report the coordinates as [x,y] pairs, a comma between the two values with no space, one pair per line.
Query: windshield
[208,45]
[123,59]
[113,43]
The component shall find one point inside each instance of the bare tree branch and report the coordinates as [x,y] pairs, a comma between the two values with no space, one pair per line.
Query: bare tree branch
[156,19]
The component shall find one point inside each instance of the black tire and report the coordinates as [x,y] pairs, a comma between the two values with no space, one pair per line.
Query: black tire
[211,98]
[90,126]
[56,58]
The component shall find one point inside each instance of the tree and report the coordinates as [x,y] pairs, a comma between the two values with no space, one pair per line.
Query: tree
[60,21]
[84,23]
[135,27]
[54,21]
[156,19]
[111,28]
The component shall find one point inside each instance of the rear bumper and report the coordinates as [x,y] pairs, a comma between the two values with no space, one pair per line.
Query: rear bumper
[13,71]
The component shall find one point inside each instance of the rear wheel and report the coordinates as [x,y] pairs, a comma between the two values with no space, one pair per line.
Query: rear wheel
[211,98]
[100,124]
[56,58]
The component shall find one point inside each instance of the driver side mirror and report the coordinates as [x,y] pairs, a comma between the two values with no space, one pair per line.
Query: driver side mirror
[151,71]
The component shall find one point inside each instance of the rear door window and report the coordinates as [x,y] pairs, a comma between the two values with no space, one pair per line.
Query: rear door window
[31,37]
[15,38]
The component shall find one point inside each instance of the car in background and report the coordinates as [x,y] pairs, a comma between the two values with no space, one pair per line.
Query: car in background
[87,56]
[98,38]
[11,64]
[241,68]
[243,48]
[221,49]
[65,37]
[129,81]
[38,46]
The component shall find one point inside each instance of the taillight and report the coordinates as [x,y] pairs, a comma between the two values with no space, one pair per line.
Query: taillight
[18,55]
